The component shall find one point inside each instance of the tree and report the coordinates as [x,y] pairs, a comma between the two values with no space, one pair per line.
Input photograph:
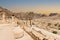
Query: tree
[30,17]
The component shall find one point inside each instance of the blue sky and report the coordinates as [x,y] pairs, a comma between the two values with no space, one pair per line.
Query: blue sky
[30,4]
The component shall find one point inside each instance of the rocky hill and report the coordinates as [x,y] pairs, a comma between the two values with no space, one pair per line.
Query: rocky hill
[26,15]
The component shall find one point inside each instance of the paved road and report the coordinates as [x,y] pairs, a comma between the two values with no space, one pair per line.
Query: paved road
[6,33]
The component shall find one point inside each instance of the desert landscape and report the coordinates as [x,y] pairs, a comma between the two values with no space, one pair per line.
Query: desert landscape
[29,19]
[29,26]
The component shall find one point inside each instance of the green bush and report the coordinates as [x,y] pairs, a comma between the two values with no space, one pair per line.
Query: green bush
[49,24]
[55,32]
[58,28]
[59,25]
[55,24]
[45,39]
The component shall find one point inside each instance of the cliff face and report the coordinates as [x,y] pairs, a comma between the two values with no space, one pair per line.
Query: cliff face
[6,11]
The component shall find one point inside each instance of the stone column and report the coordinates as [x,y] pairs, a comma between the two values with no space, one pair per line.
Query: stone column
[3,17]
[13,19]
